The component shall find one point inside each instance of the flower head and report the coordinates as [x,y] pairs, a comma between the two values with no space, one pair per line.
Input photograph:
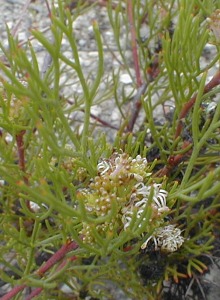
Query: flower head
[126,182]
[139,199]
[167,238]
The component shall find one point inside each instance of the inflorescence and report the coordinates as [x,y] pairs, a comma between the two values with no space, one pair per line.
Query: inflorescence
[125,183]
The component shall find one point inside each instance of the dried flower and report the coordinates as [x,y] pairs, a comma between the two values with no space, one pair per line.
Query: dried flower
[167,238]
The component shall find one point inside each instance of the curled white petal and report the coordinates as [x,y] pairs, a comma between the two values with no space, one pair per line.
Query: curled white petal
[103,167]
[35,207]
[167,238]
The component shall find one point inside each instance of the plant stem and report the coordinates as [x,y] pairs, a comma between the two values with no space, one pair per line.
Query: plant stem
[34,293]
[14,30]
[137,106]
[59,255]
[134,43]
[14,292]
[21,153]
[188,105]
[137,103]
[48,8]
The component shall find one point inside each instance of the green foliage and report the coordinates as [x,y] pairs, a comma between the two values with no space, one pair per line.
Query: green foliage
[64,182]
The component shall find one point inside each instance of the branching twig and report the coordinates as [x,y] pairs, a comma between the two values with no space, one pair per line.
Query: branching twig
[58,256]
[21,153]
[104,123]
[187,107]
[134,43]
[173,161]
[14,30]
[99,120]
[34,293]
[13,292]
[37,291]
[153,71]
[137,106]
[137,103]
[47,58]
[48,8]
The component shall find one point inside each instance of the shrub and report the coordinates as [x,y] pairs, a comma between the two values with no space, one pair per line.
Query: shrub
[89,205]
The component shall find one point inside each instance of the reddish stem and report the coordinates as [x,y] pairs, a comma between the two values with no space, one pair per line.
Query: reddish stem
[102,3]
[137,106]
[137,103]
[34,293]
[21,152]
[173,161]
[59,255]
[153,71]
[21,17]
[13,292]
[20,145]
[37,291]
[186,108]
[104,123]
[48,8]
[134,43]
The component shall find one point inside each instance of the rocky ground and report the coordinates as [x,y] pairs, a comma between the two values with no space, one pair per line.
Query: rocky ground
[23,16]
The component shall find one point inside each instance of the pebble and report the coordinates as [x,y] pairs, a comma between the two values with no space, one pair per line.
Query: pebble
[126,78]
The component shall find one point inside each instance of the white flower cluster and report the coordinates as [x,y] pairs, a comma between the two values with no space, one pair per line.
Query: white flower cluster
[167,238]
[140,198]
[121,164]
[127,181]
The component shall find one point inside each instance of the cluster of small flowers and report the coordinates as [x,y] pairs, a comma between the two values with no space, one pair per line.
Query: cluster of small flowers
[126,181]
[119,166]
[167,238]
[139,200]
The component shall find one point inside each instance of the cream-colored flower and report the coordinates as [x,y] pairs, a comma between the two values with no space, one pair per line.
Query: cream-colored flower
[104,166]
[167,238]
[139,199]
